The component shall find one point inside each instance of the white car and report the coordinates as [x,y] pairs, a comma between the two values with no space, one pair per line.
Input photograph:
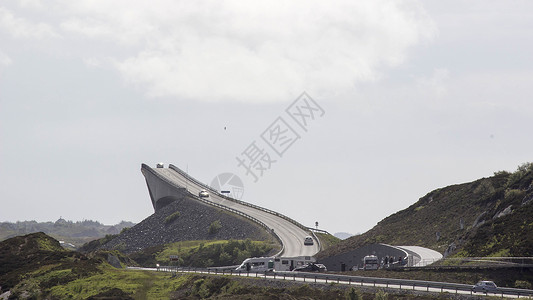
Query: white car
[308,240]
[203,194]
[160,165]
[485,287]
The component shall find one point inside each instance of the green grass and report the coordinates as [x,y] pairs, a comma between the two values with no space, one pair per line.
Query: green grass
[210,253]
[48,244]
[327,240]
[140,284]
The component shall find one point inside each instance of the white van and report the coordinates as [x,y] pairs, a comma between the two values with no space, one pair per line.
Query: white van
[291,263]
[256,264]
[264,264]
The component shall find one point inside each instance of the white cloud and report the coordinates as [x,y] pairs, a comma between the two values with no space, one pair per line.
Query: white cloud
[19,27]
[4,59]
[31,3]
[436,85]
[252,51]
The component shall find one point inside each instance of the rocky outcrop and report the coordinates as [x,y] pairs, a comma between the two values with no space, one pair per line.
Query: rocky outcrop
[190,220]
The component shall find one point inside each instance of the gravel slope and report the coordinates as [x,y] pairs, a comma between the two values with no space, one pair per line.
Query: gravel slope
[192,224]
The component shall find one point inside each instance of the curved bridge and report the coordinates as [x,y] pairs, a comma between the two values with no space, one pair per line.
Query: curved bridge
[167,184]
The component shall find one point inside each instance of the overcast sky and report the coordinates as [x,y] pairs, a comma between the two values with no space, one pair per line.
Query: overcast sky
[413,96]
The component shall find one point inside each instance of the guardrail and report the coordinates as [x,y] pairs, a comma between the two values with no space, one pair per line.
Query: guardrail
[205,186]
[352,280]
[238,212]
[318,230]
[477,262]
[271,230]
[317,241]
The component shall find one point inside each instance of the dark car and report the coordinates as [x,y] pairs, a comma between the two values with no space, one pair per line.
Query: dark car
[312,267]
[485,287]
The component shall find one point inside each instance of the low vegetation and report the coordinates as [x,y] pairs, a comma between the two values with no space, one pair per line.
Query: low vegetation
[503,277]
[215,227]
[203,253]
[151,285]
[95,244]
[327,240]
[170,218]
[488,217]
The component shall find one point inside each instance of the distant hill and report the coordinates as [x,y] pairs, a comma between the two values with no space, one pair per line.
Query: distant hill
[488,217]
[342,235]
[76,233]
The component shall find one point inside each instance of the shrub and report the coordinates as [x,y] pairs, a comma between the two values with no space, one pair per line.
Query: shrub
[354,294]
[215,227]
[170,218]
[381,295]
[522,284]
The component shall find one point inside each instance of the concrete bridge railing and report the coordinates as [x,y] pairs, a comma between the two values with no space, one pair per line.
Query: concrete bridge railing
[212,190]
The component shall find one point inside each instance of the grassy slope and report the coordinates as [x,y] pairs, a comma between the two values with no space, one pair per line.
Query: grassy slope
[513,278]
[38,257]
[443,209]
[152,285]
[327,240]
[42,269]
[203,253]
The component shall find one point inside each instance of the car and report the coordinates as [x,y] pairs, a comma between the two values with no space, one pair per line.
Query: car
[311,267]
[160,165]
[308,240]
[485,287]
[203,194]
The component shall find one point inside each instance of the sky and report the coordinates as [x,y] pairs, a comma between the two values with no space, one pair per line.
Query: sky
[344,111]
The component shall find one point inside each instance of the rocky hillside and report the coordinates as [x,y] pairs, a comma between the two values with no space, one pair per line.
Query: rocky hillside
[183,220]
[488,217]
[23,259]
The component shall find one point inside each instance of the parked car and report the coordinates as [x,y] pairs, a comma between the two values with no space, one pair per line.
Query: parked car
[312,267]
[160,165]
[308,240]
[203,194]
[485,287]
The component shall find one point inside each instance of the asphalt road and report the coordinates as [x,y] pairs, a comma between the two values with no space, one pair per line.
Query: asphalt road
[427,256]
[291,235]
